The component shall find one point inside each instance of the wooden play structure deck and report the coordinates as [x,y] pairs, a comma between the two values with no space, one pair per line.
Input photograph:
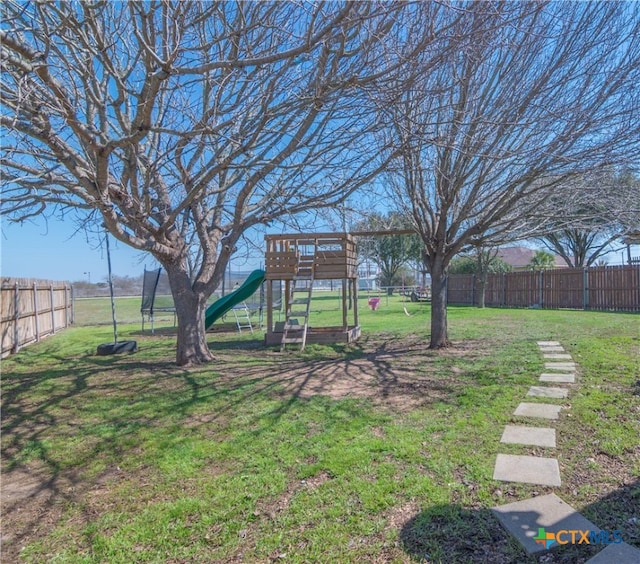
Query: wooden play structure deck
[298,260]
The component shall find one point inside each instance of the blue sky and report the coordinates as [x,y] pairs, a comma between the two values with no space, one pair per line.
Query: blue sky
[53,250]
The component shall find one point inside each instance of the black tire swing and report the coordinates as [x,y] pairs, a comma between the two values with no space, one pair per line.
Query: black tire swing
[117,347]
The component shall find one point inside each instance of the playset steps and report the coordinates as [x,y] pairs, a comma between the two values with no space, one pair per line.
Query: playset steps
[296,322]
[242,316]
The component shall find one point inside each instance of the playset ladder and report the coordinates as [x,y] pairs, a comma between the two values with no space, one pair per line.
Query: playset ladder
[296,322]
[241,314]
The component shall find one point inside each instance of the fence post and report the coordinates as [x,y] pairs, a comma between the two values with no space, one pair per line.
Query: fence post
[504,289]
[541,289]
[73,306]
[53,311]
[585,288]
[66,307]
[36,311]
[473,289]
[16,318]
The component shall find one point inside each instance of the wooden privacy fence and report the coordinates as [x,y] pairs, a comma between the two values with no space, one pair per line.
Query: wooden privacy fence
[32,309]
[607,288]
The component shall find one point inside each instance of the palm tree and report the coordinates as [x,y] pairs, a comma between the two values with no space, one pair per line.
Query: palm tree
[542,260]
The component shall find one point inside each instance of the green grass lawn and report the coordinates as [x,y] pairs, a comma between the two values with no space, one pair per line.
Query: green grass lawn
[378,451]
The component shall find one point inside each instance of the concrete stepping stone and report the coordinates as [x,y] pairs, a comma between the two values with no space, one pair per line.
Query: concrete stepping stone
[548,343]
[534,436]
[524,519]
[557,356]
[547,392]
[562,366]
[552,349]
[540,410]
[527,470]
[621,552]
[558,378]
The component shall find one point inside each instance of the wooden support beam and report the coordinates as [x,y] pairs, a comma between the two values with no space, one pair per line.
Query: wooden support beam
[356,320]
[383,232]
[269,306]
[345,312]
[306,238]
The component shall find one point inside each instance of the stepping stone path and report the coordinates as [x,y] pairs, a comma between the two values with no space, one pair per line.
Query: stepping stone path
[531,518]
[534,469]
[547,392]
[623,553]
[557,356]
[561,366]
[559,378]
[527,469]
[523,519]
[540,410]
[534,436]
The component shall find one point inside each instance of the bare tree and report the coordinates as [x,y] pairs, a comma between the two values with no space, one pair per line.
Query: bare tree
[481,262]
[583,229]
[534,94]
[581,247]
[180,125]
[389,252]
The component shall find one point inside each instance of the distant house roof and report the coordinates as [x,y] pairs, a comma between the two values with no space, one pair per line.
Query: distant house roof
[632,238]
[520,257]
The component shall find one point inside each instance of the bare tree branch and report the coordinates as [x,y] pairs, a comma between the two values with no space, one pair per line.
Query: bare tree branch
[183,124]
[530,95]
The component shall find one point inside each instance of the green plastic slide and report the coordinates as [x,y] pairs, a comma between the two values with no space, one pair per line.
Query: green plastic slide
[218,308]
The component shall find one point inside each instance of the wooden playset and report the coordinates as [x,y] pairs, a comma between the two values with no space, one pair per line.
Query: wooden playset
[298,260]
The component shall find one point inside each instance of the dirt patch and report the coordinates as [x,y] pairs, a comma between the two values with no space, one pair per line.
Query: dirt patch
[23,485]
[28,506]
[272,508]
[398,374]
[398,516]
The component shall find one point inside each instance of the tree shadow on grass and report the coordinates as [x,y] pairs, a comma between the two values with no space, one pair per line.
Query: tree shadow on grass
[40,399]
[102,408]
[249,344]
[226,328]
[452,533]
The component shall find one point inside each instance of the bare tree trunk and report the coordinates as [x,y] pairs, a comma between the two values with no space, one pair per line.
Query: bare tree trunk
[484,274]
[478,167]
[180,147]
[190,307]
[438,304]
[482,280]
